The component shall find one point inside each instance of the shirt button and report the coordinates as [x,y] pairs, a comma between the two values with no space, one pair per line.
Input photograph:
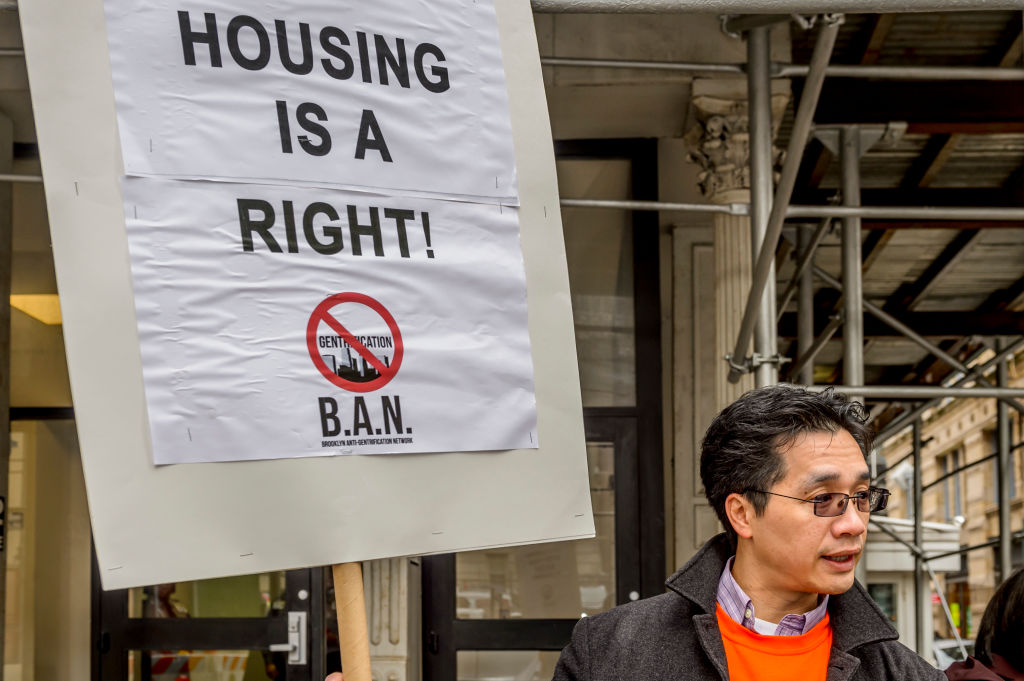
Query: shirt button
[748,614]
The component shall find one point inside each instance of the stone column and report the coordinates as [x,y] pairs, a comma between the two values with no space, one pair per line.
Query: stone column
[732,284]
[389,624]
[720,143]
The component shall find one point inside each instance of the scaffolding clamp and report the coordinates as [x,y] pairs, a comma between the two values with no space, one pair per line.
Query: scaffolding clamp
[754,361]
[778,360]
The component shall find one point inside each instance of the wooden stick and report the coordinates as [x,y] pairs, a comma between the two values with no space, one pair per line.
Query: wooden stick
[351,604]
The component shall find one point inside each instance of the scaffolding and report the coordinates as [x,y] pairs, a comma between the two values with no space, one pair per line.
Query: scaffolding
[768,209]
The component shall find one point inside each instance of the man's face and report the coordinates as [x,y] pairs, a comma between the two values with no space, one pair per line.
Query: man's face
[796,551]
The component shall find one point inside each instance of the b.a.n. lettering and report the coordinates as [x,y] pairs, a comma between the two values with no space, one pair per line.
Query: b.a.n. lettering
[361,417]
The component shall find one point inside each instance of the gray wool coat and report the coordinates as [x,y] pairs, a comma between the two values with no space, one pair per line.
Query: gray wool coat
[675,637]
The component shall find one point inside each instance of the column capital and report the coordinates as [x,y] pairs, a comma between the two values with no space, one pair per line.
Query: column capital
[719,138]
[720,144]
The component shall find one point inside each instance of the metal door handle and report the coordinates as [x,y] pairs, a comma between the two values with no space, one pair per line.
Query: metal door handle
[296,645]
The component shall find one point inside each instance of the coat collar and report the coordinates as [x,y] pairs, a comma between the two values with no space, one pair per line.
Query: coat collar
[855,618]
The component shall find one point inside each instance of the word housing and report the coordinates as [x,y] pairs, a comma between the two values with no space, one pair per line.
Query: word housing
[249,44]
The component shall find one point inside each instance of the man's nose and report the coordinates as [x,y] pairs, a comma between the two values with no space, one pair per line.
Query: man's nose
[851,522]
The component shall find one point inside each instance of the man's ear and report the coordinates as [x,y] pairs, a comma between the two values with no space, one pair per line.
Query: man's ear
[740,512]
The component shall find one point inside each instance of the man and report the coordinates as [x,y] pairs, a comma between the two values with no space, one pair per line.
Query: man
[774,596]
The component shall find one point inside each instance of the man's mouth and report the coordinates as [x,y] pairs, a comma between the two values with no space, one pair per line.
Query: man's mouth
[842,558]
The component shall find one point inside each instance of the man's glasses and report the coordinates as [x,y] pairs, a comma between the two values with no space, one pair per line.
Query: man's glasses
[834,504]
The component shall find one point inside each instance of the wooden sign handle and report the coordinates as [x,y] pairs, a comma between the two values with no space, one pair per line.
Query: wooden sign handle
[352,638]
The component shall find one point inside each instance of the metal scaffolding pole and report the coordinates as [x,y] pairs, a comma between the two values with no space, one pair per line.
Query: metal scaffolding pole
[908,72]
[871,212]
[1004,469]
[962,550]
[16,177]
[801,274]
[905,420]
[807,359]
[960,469]
[765,6]
[805,301]
[759,92]
[737,24]
[919,599]
[922,341]
[919,554]
[782,70]
[915,392]
[853,291]
[794,152]
[946,610]
[686,67]
[906,212]
[726,208]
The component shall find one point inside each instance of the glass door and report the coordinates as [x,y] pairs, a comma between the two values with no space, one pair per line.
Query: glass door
[266,627]
[512,609]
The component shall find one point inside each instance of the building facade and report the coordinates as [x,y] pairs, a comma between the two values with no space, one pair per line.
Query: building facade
[658,297]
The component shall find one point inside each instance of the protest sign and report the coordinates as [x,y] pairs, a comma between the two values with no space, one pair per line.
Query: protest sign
[292,321]
[245,517]
[403,95]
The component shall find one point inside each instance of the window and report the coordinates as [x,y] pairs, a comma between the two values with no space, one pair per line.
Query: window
[1011,474]
[952,503]
[992,440]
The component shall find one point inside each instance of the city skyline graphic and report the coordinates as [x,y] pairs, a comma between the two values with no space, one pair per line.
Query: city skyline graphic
[351,366]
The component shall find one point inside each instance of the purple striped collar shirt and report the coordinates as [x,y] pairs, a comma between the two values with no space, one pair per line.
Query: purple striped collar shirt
[738,606]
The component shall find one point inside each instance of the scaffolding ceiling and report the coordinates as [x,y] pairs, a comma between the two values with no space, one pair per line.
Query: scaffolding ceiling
[955,282]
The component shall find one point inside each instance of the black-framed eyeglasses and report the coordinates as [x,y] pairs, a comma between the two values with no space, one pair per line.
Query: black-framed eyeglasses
[832,504]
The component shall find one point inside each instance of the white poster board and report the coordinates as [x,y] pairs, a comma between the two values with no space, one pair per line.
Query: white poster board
[254,516]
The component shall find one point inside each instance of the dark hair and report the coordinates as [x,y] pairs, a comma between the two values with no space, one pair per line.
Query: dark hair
[742,446]
[1002,626]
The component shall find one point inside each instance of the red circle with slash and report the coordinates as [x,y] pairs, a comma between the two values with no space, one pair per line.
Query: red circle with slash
[322,313]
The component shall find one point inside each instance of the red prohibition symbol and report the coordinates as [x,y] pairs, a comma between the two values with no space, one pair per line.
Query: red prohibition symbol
[384,372]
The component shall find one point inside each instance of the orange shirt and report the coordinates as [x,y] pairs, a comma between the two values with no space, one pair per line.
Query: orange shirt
[755,657]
